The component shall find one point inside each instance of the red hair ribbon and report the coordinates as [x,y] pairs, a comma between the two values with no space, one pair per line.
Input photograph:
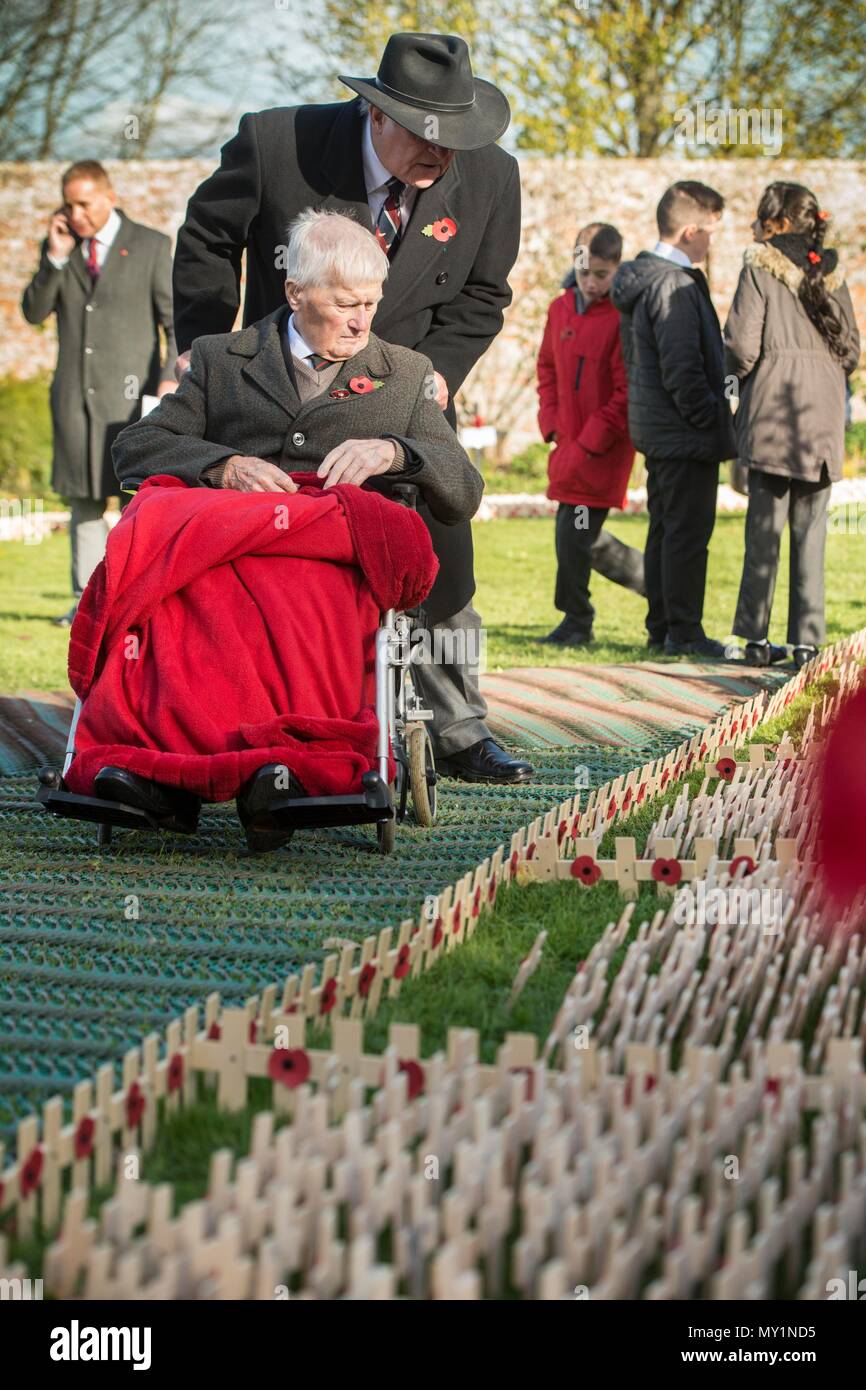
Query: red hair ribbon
[814,258]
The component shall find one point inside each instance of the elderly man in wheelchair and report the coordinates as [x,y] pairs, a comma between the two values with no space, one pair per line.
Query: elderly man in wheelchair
[231,643]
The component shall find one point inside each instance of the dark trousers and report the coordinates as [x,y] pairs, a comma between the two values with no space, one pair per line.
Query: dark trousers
[773,500]
[681,501]
[583,547]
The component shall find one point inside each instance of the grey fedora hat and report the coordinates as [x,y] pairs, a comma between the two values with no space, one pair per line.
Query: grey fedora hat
[425,84]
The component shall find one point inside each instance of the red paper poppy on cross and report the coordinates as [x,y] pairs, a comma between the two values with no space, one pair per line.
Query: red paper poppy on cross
[611,810]
[438,933]
[514,861]
[214,1033]
[328,996]
[746,860]
[667,871]
[361,385]
[31,1172]
[135,1105]
[476,901]
[491,890]
[726,767]
[82,1143]
[529,1073]
[175,1073]
[530,850]
[414,1073]
[585,868]
[253,1030]
[402,963]
[366,978]
[455,920]
[561,831]
[290,1066]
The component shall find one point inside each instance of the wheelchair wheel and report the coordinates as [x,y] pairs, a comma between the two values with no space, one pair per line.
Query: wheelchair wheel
[422,776]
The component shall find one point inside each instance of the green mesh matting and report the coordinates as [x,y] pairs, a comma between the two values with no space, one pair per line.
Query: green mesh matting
[82,978]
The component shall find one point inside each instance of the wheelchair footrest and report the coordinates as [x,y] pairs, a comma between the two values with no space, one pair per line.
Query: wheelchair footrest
[356,808]
[93,808]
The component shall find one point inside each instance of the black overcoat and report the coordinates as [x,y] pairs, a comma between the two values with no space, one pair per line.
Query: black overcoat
[443,298]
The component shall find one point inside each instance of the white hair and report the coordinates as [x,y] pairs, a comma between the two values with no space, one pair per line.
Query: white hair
[329,248]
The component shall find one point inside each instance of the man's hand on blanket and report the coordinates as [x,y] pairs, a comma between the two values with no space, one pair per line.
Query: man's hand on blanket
[247,474]
[356,460]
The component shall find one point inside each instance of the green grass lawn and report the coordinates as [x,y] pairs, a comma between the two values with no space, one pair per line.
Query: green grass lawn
[515,569]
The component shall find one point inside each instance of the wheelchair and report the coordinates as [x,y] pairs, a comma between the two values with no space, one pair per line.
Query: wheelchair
[382,801]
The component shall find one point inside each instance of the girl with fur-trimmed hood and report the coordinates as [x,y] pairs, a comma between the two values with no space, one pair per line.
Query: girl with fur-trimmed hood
[791,340]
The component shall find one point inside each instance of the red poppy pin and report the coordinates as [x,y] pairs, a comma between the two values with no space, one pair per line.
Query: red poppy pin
[362,385]
[340,393]
[443,229]
[123,251]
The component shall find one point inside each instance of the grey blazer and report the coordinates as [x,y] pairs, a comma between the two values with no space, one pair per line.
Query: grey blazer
[239,398]
[109,349]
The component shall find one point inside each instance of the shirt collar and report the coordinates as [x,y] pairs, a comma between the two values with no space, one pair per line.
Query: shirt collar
[671,253]
[105,236]
[298,346]
[376,176]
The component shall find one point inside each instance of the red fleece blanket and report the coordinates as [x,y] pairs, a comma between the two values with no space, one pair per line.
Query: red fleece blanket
[227,630]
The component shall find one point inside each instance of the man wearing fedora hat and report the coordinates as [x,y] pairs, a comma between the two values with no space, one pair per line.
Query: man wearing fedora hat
[413,158]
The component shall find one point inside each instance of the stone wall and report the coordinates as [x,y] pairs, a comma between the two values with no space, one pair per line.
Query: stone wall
[558,196]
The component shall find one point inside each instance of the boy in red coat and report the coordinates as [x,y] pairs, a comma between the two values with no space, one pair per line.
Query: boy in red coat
[583,413]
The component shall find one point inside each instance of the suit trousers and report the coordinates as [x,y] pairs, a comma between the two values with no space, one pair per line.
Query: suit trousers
[773,500]
[681,501]
[581,549]
[446,676]
[88,532]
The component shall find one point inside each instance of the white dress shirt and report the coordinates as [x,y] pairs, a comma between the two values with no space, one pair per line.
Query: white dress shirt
[376,178]
[298,346]
[104,237]
[671,253]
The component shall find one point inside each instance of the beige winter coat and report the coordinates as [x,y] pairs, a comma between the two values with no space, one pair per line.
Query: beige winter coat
[791,414]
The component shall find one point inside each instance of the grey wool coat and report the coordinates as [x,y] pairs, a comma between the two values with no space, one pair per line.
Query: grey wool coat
[109,349]
[239,398]
[791,413]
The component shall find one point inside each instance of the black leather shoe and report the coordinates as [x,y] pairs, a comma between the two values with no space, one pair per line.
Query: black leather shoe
[174,808]
[803,655]
[655,645]
[484,761]
[707,648]
[567,635]
[764,654]
[271,784]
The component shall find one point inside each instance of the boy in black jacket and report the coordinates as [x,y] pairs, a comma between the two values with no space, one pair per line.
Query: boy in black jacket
[678,414]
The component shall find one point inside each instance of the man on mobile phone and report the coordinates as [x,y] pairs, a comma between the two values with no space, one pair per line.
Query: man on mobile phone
[108,280]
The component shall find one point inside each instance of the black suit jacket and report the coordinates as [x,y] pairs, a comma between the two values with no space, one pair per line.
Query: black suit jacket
[444,299]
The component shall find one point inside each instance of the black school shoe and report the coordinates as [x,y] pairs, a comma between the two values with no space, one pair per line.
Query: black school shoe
[567,635]
[484,761]
[764,654]
[707,648]
[254,800]
[175,809]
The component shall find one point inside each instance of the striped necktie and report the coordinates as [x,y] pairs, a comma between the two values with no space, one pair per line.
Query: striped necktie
[389,223]
[317,362]
[92,262]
